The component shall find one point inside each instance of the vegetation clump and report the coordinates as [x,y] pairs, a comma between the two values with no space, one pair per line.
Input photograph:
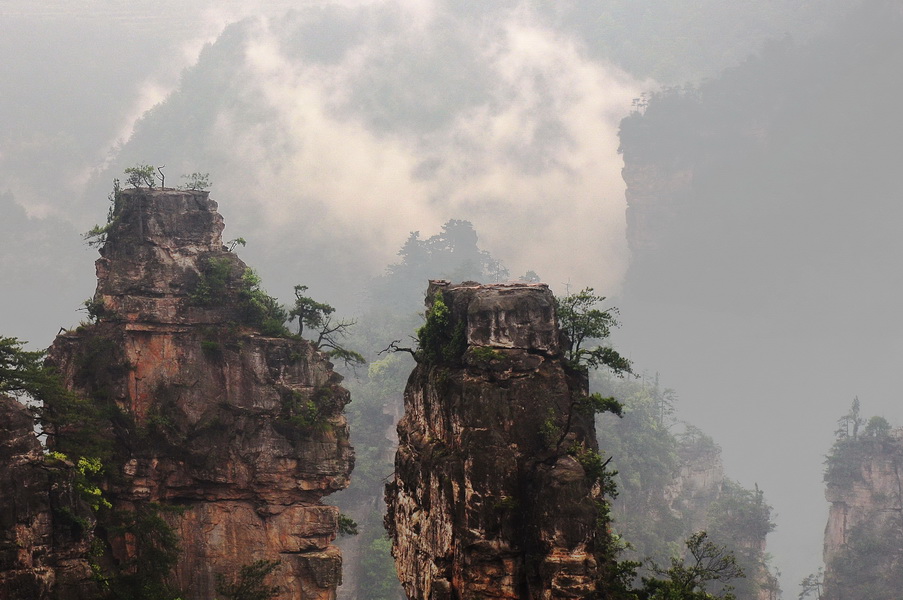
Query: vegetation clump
[319,317]
[213,282]
[97,235]
[250,584]
[439,340]
[197,181]
[584,324]
[688,578]
[484,354]
[141,176]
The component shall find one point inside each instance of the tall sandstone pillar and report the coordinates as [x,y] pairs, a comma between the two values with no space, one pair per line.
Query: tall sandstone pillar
[490,497]
[241,431]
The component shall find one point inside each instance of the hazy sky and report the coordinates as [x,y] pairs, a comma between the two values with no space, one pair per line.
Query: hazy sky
[334,130]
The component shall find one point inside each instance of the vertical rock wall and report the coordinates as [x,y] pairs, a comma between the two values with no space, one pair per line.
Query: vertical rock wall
[45,528]
[863,549]
[487,501]
[244,433]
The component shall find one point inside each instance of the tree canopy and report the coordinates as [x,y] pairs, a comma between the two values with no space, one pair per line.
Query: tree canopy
[586,325]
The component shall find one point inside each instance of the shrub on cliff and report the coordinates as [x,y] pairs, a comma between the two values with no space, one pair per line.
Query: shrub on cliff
[438,340]
[250,584]
[585,325]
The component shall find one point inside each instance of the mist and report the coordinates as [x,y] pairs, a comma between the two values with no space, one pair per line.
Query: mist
[332,130]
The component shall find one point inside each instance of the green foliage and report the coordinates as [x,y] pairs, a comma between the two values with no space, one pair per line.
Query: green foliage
[97,235]
[318,317]
[649,458]
[585,324]
[506,504]
[211,348]
[375,392]
[687,578]
[549,430]
[485,354]
[70,420]
[213,282]
[848,425]
[812,585]
[309,312]
[144,576]
[304,413]
[438,340]
[378,574]
[95,309]
[22,372]
[250,583]
[451,254]
[89,472]
[850,450]
[259,309]
[141,176]
[877,428]
[596,403]
[197,181]
[868,564]
[741,514]
[347,525]
[594,467]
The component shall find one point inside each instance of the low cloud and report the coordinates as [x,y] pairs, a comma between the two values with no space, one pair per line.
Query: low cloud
[528,154]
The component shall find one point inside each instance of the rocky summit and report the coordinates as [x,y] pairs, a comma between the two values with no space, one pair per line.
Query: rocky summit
[493,495]
[220,424]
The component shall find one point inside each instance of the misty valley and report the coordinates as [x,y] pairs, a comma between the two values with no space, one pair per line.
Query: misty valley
[441,300]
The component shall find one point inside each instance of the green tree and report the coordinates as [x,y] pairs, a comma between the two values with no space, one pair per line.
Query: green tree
[877,427]
[155,552]
[259,309]
[812,585]
[197,181]
[141,176]
[849,424]
[250,583]
[97,235]
[329,332]
[687,578]
[586,327]
[451,254]
[22,372]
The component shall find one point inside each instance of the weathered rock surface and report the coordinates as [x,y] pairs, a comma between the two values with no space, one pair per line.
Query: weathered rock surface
[45,528]
[487,502]
[244,432]
[863,549]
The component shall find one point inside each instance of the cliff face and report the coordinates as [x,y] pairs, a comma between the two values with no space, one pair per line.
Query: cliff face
[487,501]
[45,527]
[244,433]
[863,551]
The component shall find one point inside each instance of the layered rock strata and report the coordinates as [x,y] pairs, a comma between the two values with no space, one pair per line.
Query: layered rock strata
[491,497]
[45,527]
[244,433]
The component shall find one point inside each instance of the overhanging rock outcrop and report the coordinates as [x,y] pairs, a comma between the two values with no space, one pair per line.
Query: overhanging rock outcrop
[242,433]
[493,495]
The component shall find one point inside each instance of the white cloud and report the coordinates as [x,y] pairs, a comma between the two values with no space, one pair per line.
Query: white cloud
[533,164]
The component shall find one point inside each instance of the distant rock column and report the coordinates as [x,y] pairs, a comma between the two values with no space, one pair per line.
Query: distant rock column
[863,546]
[489,498]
